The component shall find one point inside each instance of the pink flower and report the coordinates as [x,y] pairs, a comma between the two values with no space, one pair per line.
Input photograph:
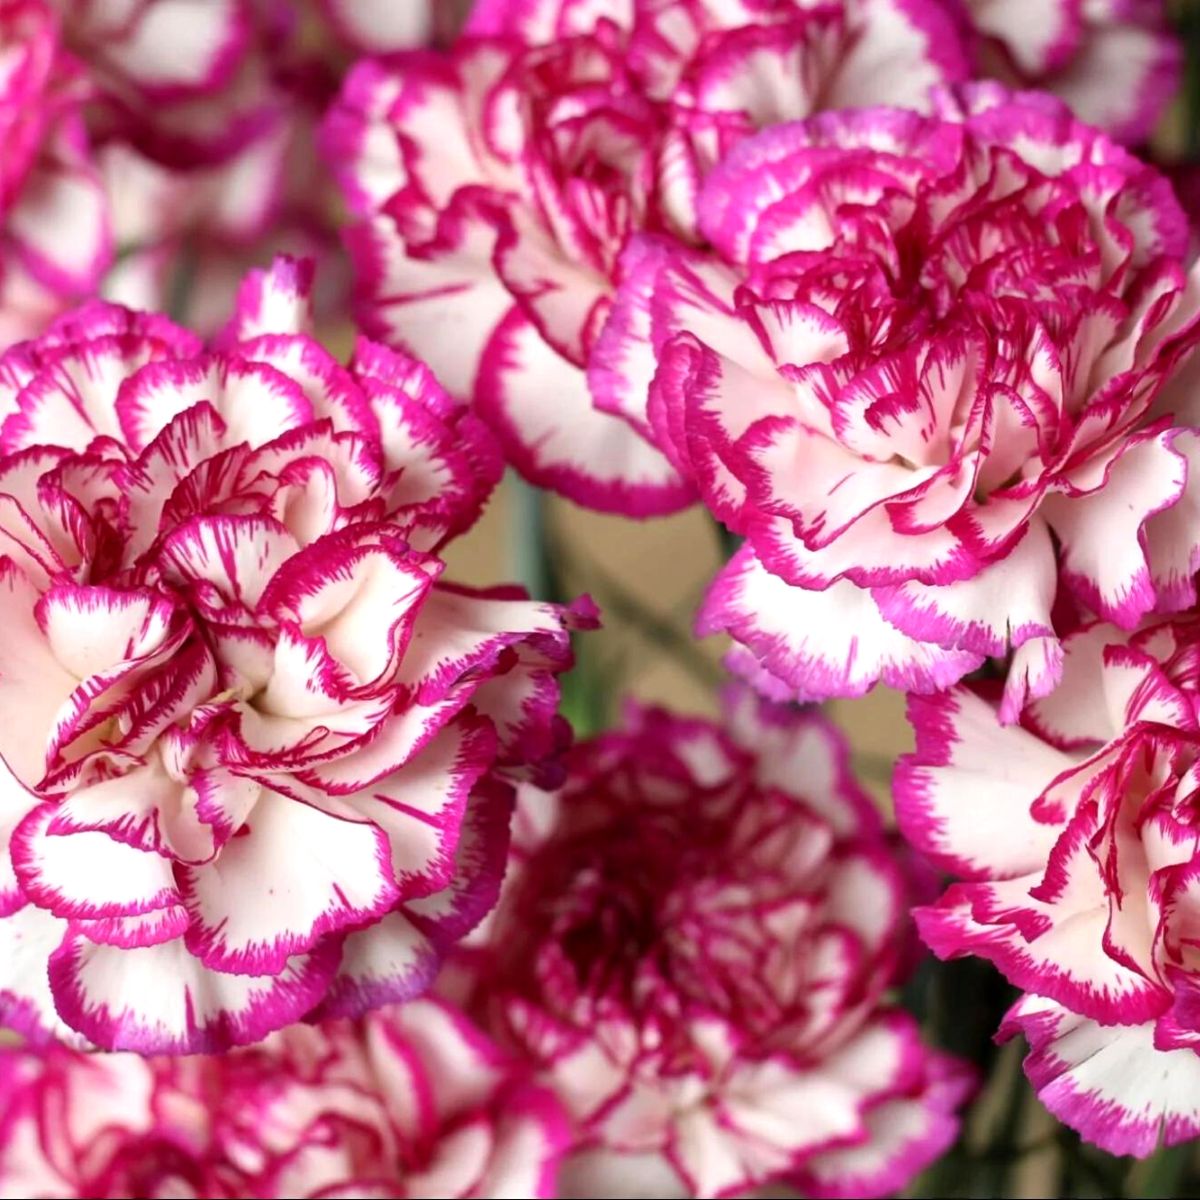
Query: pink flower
[54,225]
[205,114]
[512,176]
[163,132]
[923,375]
[204,118]
[255,747]
[1115,62]
[1078,843]
[177,80]
[696,955]
[413,1101]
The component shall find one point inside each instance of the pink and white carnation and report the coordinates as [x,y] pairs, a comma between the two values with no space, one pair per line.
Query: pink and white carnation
[922,374]
[54,219]
[413,1101]
[695,952]
[205,114]
[256,750]
[1116,63]
[180,80]
[1077,841]
[212,169]
[496,190]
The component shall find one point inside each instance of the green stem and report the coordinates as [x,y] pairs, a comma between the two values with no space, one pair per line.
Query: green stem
[528,547]
[179,290]
[1068,1163]
[1002,1154]
[1161,1175]
[1186,17]
[589,691]
[619,603]
[727,540]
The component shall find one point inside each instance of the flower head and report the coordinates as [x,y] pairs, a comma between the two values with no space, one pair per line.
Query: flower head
[923,373]
[54,218]
[1078,842]
[204,125]
[253,739]
[412,1101]
[696,953]
[1116,63]
[203,117]
[513,175]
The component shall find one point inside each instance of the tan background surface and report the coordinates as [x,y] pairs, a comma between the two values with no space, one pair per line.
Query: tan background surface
[662,567]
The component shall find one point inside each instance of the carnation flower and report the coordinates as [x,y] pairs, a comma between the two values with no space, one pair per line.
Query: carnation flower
[414,1101]
[54,226]
[201,177]
[179,81]
[1078,843]
[511,177]
[205,117]
[257,747]
[923,374]
[189,135]
[191,83]
[695,954]
[1115,62]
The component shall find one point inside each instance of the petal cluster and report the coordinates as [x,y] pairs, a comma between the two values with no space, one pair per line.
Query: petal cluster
[1077,841]
[412,1101]
[694,950]
[255,748]
[512,174]
[924,372]
[55,238]
[767,62]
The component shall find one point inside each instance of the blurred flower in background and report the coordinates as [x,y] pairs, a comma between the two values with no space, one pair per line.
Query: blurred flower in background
[55,226]
[1116,63]
[694,949]
[410,1102]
